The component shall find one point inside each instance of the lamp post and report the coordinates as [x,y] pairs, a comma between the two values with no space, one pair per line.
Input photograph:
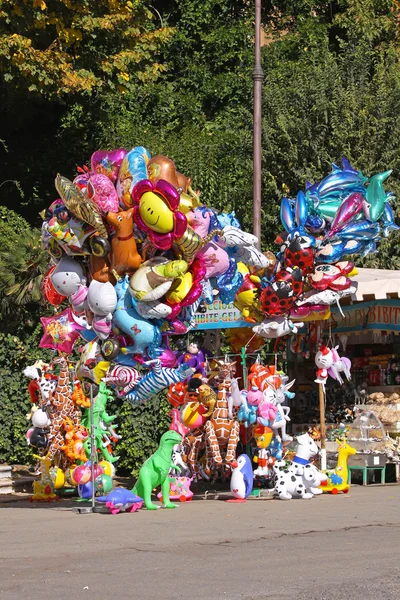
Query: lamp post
[258,76]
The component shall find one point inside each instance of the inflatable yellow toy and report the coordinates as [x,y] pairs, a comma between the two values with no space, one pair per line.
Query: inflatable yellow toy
[338,479]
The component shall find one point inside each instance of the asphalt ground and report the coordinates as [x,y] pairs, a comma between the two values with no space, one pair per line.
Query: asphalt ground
[330,547]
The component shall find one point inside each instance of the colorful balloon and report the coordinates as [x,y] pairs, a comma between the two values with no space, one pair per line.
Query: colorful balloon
[108,163]
[60,332]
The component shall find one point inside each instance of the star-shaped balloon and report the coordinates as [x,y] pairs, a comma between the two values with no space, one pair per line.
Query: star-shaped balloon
[60,332]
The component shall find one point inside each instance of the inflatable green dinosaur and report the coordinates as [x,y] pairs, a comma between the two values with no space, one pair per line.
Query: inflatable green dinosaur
[155,470]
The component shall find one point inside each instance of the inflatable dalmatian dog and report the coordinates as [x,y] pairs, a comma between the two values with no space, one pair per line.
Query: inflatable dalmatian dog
[300,479]
[291,484]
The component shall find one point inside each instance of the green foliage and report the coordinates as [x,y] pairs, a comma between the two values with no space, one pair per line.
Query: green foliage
[141,427]
[331,88]
[15,355]
[22,265]
[12,226]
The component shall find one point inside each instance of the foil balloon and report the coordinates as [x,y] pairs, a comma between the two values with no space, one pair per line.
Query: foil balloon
[349,209]
[375,200]
[102,301]
[68,279]
[278,298]
[162,167]
[333,277]
[133,169]
[365,230]
[100,190]
[49,291]
[60,332]
[108,163]
[244,337]
[124,255]
[156,212]
[155,278]
[389,224]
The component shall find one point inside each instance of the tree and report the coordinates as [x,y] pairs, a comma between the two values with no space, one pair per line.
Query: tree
[57,60]
[23,263]
[61,47]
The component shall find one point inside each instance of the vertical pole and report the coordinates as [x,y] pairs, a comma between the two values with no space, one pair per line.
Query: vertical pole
[322,425]
[92,443]
[244,369]
[258,76]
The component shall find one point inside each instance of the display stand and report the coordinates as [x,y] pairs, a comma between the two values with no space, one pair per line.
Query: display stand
[93,458]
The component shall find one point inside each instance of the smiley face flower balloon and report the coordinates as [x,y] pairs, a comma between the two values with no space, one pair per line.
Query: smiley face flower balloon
[156,212]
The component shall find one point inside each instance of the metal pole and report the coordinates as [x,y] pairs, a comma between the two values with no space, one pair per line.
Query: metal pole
[258,76]
[92,443]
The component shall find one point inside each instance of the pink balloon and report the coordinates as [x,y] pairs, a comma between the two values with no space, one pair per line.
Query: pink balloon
[108,162]
[60,331]
[168,358]
[103,193]
[198,269]
[348,210]
[193,295]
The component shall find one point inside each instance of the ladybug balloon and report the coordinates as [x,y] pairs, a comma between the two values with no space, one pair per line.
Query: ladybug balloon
[299,253]
[278,298]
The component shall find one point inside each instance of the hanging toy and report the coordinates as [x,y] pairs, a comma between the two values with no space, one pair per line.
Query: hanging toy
[324,360]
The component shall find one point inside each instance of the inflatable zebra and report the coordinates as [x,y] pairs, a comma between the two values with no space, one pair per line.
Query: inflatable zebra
[158,379]
[121,376]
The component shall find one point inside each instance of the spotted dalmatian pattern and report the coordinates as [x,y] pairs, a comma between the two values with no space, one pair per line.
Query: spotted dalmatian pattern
[294,482]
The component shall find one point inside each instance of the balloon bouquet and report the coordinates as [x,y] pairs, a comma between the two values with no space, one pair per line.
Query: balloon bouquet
[133,253]
[344,214]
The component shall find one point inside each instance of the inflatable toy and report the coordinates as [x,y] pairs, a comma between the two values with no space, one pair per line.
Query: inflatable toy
[154,471]
[242,479]
[337,480]
[121,500]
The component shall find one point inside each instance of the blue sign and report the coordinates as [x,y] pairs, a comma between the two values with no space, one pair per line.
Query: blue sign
[220,316]
[377,315]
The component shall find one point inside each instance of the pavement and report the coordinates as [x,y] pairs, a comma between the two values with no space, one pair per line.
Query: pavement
[327,548]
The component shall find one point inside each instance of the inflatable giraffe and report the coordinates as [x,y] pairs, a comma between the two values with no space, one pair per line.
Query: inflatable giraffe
[62,408]
[221,431]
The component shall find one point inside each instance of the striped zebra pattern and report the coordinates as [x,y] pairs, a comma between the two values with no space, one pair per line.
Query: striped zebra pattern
[158,379]
[121,376]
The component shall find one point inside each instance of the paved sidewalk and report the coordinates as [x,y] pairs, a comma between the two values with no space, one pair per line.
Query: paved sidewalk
[331,547]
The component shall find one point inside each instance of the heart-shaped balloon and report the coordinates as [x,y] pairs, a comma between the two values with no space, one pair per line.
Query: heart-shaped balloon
[108,162]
